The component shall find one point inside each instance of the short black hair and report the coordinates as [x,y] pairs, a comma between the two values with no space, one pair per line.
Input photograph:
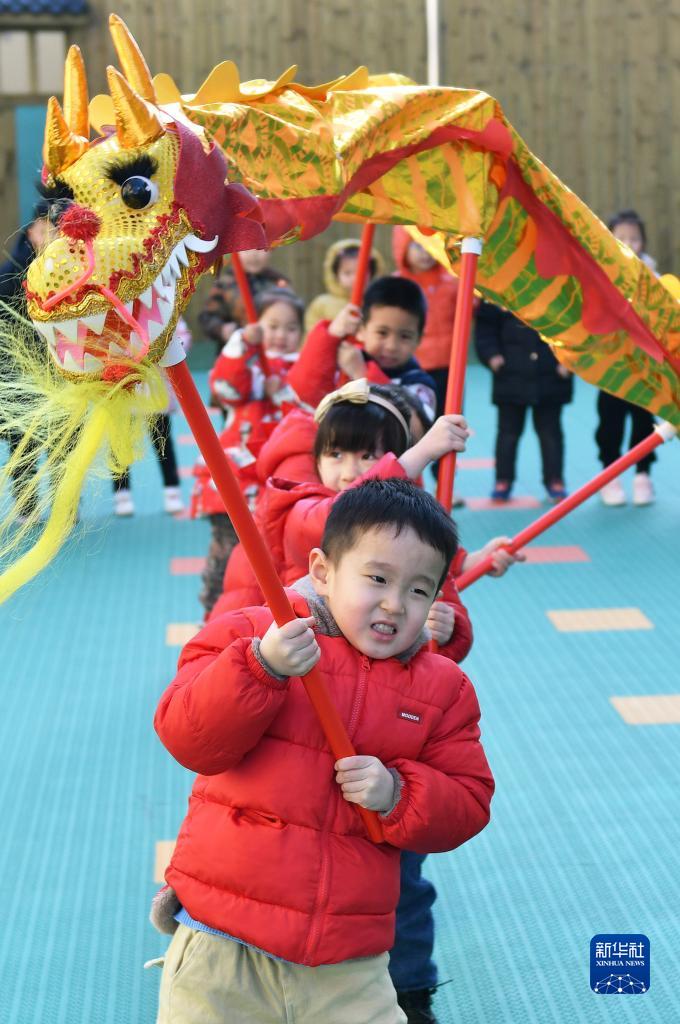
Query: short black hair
[629,217]
[396,291]
[351,252]
[378,503]
[270,296]
[357,427]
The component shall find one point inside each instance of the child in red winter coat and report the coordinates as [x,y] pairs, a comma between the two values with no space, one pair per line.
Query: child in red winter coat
[273,873]
[254,381]
[388,328]
[327,460]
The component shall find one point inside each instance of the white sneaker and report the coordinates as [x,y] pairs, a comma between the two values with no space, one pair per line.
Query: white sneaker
[123,504]
[613,493]
[643,491]
[172,500]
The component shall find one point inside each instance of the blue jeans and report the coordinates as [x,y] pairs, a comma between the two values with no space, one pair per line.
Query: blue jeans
[411,963]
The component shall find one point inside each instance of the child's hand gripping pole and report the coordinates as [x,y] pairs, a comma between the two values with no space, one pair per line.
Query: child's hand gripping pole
[261,562]
[662,432]
[471,249]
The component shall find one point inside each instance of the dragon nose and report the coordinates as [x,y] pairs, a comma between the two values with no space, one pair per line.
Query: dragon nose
[79,223]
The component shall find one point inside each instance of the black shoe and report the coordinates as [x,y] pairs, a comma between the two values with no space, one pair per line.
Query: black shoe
[417,1005]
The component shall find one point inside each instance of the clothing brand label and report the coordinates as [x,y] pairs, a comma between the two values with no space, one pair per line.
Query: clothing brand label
[619,964]
[410,716]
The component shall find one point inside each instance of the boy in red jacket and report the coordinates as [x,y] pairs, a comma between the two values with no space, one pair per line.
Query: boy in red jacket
[389,327]
[285,907]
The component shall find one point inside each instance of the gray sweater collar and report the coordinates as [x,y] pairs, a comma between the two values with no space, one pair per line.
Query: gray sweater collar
[327,625]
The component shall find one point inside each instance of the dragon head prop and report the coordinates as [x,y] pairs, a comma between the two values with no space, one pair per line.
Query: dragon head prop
[139,214]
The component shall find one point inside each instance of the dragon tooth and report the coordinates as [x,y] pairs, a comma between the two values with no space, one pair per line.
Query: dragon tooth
[116,350]
[69,363]
[165,307]
[155,330]
[95,323]
[68,328]
[135,345]
[146,298]
[173,263]
[200,244]
[181,253]
[47,331]
[91,364]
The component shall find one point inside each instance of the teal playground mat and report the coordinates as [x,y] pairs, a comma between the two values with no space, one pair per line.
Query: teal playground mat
[584,838]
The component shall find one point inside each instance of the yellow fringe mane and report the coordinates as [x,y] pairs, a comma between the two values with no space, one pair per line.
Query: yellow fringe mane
[65,425]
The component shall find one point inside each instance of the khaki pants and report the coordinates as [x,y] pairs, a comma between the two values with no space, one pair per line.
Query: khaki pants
[210,980]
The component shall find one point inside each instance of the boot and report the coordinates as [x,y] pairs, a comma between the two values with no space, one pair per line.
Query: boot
[417,1005]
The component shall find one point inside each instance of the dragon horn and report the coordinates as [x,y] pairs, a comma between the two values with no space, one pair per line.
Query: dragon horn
[61,147]
[131,60]
[137,123]
[75,94]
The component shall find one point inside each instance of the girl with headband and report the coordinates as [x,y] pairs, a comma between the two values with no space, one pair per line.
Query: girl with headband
[357,432]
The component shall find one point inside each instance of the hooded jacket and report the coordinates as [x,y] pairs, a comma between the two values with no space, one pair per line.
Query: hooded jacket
[441,292]
[327,305]
[270,852]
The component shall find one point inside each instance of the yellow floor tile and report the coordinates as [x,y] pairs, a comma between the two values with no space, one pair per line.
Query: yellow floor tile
[582,620]
[164,848]
[179,633]
[660,710]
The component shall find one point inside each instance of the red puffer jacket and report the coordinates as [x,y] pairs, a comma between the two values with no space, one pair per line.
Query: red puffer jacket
[289,452]
[270,852]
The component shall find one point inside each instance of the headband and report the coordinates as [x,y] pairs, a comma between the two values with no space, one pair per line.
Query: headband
[359,392]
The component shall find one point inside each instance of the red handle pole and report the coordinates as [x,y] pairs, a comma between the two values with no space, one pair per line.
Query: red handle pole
[662,432]
[363,261]
[471,249]
[244,288]
[261,561]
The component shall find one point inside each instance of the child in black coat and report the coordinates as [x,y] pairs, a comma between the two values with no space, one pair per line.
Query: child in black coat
[526,374]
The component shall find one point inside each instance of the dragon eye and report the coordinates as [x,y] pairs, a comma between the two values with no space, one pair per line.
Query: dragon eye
[138,192]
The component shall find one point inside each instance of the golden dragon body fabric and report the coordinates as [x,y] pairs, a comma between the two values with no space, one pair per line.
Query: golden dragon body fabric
[170,183]
[447,161]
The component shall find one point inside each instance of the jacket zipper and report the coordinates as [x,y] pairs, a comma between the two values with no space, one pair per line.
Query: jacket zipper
[322,897]
[359,696]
